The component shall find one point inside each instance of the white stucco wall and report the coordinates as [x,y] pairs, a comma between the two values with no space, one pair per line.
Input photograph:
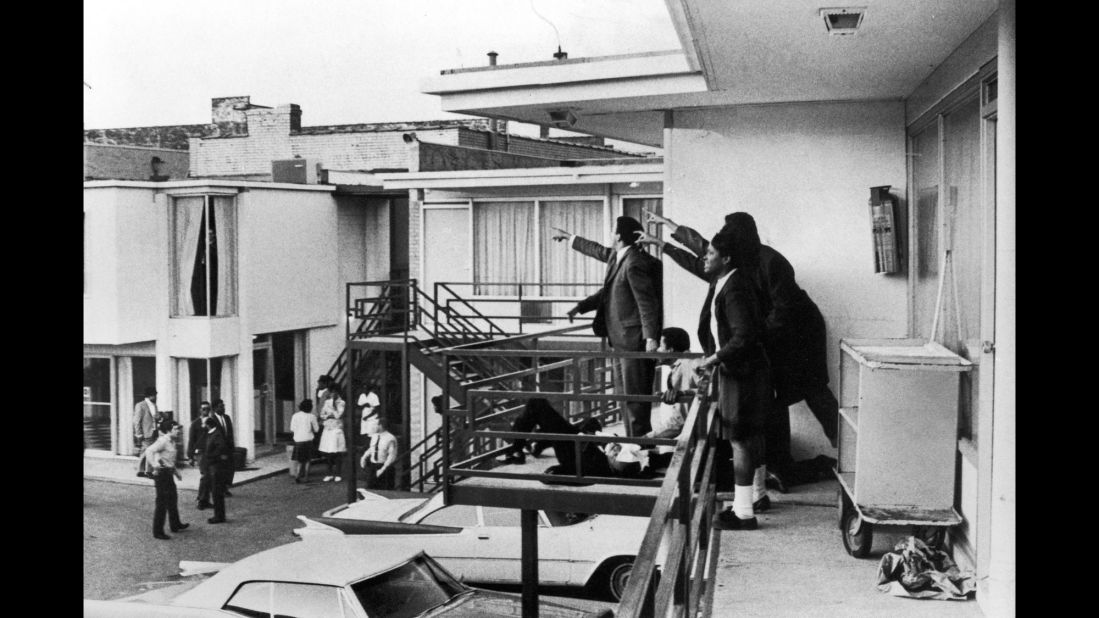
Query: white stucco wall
[126,265]
[804,172]
[289,270]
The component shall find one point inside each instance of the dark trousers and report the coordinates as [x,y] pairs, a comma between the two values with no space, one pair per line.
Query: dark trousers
[776,439]
[637,378]
[548,420]
[204,480]
[385,480]
[219,482]
[167,502]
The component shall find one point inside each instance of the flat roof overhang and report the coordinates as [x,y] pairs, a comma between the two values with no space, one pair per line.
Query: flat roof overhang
[601,174]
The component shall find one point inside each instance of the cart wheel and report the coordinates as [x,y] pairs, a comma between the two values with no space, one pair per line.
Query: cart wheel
[844,506]
[858,535]
[934,536]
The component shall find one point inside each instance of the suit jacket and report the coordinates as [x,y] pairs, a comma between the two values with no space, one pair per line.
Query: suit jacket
[218,452]
[629,307]
[739,326]
[794,326]
[196,437]
[228,429]
[144,423]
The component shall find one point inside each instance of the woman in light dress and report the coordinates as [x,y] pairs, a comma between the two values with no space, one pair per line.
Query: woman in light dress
[333,444]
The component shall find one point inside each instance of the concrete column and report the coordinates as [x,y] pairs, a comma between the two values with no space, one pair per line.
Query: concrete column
[1000,599]
[243,412]
[165,369]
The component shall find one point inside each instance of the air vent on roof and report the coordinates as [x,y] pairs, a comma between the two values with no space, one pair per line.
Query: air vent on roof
[843,21]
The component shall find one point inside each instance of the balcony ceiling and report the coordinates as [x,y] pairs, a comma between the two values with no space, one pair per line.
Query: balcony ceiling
[736,52]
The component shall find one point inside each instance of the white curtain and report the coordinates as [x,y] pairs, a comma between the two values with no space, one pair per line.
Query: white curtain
[188,224]
[183,389]
[224,219]
[227,387]
[125,406]
[560,263]
[503,246]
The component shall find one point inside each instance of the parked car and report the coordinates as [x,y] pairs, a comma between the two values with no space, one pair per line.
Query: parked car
[326,578]
[482,544]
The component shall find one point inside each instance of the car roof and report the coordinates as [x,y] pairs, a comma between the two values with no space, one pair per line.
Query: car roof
[330,562]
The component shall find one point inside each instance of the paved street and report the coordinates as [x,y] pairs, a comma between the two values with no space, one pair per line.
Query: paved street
[121,557]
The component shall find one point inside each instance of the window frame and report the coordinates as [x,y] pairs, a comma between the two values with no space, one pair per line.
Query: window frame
[173,243]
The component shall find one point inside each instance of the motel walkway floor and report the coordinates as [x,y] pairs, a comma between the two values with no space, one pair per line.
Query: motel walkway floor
[795,565]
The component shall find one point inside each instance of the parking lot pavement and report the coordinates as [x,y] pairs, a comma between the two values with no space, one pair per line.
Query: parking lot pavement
[121,557]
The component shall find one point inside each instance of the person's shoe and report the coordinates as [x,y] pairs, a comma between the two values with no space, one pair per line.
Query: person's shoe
[297,480]
[203,505]
[161,536]
[515,457]
[181,527]
[215,520]
[776,482]
[727,520]
[337,479]
[763,504]
[142,474]
[228,493]
[327,479]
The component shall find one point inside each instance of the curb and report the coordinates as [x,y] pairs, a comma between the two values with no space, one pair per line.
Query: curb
[146,482]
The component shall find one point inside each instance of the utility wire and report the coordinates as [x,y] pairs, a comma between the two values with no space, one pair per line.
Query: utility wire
[555,32]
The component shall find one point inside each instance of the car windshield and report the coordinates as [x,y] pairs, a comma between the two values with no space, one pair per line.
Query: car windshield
[408,590]
[559,518]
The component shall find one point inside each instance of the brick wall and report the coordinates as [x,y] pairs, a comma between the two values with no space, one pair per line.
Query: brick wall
[173,137]
[103,162]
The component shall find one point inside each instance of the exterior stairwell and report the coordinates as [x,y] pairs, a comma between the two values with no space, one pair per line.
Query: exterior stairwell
[401,317]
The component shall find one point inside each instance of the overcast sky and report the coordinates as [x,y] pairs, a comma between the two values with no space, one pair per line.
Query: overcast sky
[344,61]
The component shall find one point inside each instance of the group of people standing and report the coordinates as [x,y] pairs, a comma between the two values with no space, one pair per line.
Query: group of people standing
[762,336]
[210,446]
[324,432]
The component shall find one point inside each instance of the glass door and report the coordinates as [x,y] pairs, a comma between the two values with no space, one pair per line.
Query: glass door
[97,404]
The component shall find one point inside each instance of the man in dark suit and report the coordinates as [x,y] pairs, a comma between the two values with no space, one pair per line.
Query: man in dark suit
[628,311]
[218,458]
[196,445]
[226,425]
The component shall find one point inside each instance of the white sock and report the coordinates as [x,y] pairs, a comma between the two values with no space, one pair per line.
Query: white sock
[759,483]
[742,502]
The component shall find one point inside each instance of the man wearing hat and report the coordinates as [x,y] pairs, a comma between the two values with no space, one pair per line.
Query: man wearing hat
[628,310]
[145,426]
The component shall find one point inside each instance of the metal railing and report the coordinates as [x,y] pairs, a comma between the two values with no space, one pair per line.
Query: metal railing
[520,303]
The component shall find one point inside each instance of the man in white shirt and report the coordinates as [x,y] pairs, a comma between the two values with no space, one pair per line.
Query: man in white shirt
[160,460]
[370,407]
[378,459]
[304,426]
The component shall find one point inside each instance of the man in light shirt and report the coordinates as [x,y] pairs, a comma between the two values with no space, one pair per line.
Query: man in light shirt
[304,426]
[145,413]
[378,459]
[160,460]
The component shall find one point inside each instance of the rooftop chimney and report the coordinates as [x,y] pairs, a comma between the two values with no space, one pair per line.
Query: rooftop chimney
[492,58]
[560,55]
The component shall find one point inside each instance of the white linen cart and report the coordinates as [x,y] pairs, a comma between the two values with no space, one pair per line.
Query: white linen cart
[897,438]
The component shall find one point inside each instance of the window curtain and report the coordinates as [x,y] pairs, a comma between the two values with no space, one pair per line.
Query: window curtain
[226,389]
[225,244]
[503,246]
[126,405]
[560,263]
[188,226]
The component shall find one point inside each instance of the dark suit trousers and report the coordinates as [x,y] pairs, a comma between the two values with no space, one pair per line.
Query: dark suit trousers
[219,482]
[637,377]
[167,502]
[204,479]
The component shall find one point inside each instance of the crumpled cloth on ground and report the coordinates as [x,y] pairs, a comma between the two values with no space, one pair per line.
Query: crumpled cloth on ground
[916,571]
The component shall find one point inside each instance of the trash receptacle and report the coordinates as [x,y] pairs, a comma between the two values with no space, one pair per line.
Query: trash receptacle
[240,456]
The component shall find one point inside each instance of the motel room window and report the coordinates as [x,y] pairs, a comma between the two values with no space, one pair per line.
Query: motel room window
[948,163]
[633,206]
[97,403]
[204,277]
[512,243]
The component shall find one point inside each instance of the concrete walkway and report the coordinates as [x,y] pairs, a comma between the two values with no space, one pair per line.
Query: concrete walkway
[795,565]
[120,469]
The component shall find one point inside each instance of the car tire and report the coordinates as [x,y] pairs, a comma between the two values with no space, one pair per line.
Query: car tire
[613,576]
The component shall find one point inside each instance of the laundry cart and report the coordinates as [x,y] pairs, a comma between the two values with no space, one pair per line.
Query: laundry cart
[897,438]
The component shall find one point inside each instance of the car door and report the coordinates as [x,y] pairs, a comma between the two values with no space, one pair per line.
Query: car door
[500,543]
[457,552]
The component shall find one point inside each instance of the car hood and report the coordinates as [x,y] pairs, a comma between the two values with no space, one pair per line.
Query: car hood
[490,604]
